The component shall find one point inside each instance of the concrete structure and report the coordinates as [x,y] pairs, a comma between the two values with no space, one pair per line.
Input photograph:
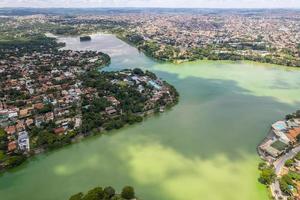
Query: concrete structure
[23,141]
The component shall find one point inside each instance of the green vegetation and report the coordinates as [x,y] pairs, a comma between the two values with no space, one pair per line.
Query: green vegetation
[262,165]
[267,175]
[289,163]
[288,182]
[14,159]
[294,115]
[297,156]
[128,192]
[108,193]
[171,53]
[131,101]
[26,44]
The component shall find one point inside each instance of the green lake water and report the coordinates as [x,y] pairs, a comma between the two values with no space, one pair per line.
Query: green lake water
[203,148]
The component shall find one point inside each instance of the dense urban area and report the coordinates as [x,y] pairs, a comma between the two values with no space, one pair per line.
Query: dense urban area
[51,97]
[281,151]
[263,36]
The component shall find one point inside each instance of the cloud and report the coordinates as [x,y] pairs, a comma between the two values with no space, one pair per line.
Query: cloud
[154,3]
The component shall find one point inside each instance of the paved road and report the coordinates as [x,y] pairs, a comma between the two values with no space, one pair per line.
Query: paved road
[279,164]
[276,192]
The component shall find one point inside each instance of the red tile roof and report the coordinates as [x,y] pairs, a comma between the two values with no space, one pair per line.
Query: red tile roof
[10,130]
[293,133]
[59,130]
[12,146]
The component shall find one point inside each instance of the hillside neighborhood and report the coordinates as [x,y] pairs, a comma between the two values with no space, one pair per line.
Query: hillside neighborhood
[50,97]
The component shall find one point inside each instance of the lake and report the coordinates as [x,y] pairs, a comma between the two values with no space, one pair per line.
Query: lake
[203,148]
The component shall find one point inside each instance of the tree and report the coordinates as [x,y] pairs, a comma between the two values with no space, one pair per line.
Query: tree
[2,133]
[77,196]
[109,192]
[262,165]
[267,176]
[14,161]
[298,156]
[3,140]
[138,71]
[128,192]
[2,155]
[289,163]
[94,194]
[286,183]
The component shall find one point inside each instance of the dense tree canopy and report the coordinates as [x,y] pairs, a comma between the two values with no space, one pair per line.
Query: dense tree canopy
[267,175]
[108,193]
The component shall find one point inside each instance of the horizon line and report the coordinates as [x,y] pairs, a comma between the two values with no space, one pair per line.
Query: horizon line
[120,7]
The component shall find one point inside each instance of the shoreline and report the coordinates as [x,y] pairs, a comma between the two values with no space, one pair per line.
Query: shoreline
[100,130]
[268,137]
[81,137]
[278,163]
[175,61]
[180,61]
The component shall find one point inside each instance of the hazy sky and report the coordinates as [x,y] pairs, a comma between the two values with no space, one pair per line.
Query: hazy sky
[154,3]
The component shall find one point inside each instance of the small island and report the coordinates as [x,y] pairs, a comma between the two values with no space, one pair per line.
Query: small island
[108,193]
[85,38]
[280,151]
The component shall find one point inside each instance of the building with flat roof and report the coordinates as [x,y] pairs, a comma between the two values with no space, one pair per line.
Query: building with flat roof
[23,141]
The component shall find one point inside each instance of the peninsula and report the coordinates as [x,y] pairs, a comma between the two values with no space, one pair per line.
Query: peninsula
[281,152]
[50,97]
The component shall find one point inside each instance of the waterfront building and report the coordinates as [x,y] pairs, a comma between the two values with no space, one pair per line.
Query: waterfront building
[23,141]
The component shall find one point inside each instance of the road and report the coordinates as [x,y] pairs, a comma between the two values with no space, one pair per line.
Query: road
[279,164]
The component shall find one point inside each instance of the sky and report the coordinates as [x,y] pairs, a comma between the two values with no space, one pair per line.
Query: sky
[154,3]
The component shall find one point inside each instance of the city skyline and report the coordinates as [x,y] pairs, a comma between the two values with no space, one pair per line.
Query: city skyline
[153,3]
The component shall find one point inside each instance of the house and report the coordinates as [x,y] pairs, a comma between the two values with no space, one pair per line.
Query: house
[12,113]
[49,116]
[29,122]
[10,130]
[39,106]
[154,84]
[24,112]
[77,122]
[136,79]
[282,136]
[59,131]
[297,120]
[110,110]
[39,120]
[293,134]
[113,100]
[20,126]
[273,147]
[23,141]
[292,123]
[12,146]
